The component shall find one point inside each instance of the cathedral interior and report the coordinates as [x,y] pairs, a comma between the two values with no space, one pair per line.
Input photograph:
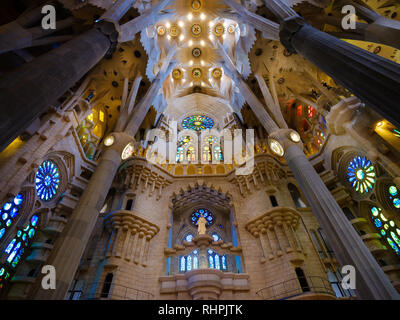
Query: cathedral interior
[199,149]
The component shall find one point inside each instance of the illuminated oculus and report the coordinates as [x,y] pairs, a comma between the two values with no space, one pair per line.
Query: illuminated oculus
[361,174]
[109,141]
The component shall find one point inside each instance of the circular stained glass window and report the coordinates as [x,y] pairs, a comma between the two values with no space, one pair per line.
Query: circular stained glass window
[47,180]
[361,174]
[206,215]
[197,123]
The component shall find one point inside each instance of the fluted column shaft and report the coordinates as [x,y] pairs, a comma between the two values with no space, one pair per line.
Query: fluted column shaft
[73,242]
[30,89]
[373,79]
[371,281]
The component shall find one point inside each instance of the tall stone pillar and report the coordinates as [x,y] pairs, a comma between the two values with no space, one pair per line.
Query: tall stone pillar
[373,79]
[71,245]
[372,283]
[30,89]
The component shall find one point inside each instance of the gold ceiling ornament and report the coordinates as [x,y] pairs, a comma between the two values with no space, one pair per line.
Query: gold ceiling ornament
[196,52]
[231,28]
[196,5]
[161,30]
[196,30]
[177,74]
[216,73]
[174,31]
[219,29]
[196,73]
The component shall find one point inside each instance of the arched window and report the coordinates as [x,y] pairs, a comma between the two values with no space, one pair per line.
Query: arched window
[394,196]
[16,249]
[294,192]
[47,180]
[212,150]
[8,213]
[215,261]
[387,229]
[302,279]
[189,237]
[184,143]
[215,237]
[189,262]
[107,285]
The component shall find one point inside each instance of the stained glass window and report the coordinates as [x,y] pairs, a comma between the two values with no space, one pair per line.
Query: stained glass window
[215,261]
[394,196]
[387,229]
[182,145]
[189,262]
[396,133]
[310,111]
[211,146]
[47,180]
[8,213]
[206,214]
[189,237]
[197,123]
[216,237]
[361,174]
[16,248]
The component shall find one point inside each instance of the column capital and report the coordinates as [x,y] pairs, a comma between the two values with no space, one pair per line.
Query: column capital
[288,29]
[286,138]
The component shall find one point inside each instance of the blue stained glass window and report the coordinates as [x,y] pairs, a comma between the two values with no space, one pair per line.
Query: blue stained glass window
[216,237]
[197,122]
[183,264]
[47,180]
[391,228]
[17,247]
[189,262]
[211,262]
[8,212]
[394,196]
[223,260]
[189,237]
[217,264]
[206,214]
[361,174]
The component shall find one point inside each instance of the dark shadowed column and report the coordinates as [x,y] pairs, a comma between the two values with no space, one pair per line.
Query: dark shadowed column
[373,79]
[29,90]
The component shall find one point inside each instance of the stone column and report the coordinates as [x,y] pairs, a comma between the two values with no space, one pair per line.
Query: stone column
[372,283]
[273,107]
[73,242]
[373,79]
[30,89]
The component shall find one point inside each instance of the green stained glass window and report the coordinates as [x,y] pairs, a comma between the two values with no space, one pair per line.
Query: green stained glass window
[197,123]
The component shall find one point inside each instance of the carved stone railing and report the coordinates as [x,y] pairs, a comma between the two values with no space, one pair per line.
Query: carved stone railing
[131,235]
[275,230]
